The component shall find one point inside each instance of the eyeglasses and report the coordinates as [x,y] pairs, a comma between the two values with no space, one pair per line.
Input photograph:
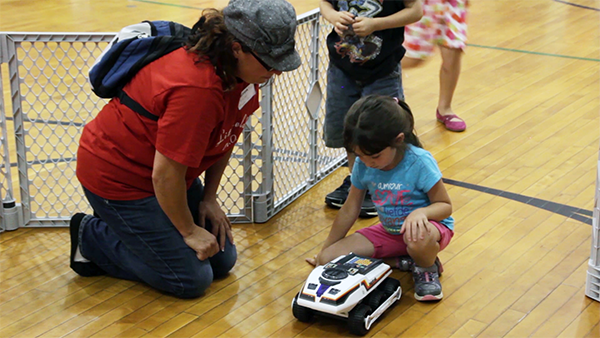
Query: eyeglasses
[266,66]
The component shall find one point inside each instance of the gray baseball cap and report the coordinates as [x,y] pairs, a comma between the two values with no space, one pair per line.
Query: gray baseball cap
[267,27]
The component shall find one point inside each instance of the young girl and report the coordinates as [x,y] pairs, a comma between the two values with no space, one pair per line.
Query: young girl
[444,23]
[406,185]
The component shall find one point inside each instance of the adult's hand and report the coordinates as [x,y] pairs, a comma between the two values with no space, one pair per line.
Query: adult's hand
[203,242]
[221,226]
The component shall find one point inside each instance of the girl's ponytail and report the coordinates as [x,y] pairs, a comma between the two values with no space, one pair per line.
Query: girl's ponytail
[410,135]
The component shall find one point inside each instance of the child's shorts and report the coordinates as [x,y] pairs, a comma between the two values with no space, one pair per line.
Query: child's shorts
[443,23]
[343,91]
[388,245]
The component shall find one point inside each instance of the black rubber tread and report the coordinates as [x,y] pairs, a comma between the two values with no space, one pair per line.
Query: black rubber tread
[356,319]
[301,313]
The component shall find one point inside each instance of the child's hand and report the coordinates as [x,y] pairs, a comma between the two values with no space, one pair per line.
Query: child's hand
[342,22]
[415,226]
[363,26]
[313,261]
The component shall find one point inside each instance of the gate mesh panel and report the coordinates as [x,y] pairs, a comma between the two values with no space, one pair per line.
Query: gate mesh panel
[56,101]
[291,120]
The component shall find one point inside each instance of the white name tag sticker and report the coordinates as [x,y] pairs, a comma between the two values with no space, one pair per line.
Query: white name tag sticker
[247,94]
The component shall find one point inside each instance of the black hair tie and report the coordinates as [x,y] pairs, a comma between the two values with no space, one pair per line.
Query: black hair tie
[404,106]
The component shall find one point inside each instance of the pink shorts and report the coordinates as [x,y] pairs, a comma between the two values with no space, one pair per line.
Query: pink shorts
[388,245]
[444,23]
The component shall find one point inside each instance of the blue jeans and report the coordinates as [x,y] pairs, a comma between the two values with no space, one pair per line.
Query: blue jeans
[135,240]
[342,92]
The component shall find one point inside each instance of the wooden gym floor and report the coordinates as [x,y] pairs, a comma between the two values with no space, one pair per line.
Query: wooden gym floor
[521,179]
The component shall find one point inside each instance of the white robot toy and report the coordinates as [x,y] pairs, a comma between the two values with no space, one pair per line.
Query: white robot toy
[350,287]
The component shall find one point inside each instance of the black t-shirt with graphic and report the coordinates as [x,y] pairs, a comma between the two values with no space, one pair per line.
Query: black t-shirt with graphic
[369,58]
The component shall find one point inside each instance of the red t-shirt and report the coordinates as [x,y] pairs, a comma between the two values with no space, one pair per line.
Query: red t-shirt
[198,123]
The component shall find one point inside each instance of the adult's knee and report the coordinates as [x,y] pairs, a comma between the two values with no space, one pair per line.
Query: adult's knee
[224,261]
[195,284]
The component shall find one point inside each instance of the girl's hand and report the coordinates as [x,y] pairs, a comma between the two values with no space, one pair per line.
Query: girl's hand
[342,21]
[315,260]
[364,26]
[221,226]
[415,226]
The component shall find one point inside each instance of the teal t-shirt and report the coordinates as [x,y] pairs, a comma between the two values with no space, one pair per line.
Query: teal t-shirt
[397,192]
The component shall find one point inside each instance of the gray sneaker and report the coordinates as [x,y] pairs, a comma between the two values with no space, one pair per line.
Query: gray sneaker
[427,283]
